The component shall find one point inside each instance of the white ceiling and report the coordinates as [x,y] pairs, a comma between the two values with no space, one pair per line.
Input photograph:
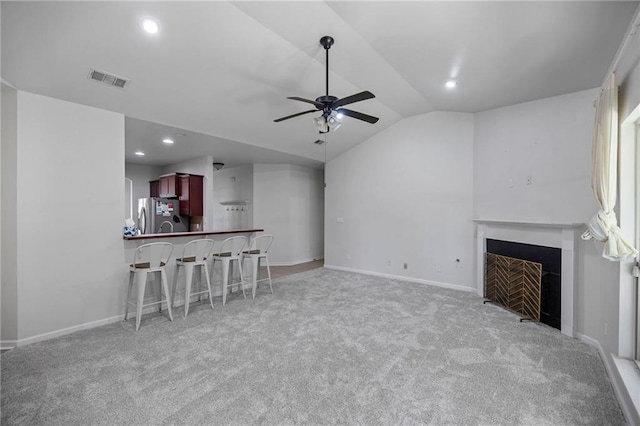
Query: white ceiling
[219,72]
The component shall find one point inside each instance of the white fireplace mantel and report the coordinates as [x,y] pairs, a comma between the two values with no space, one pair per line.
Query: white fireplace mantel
[554,234]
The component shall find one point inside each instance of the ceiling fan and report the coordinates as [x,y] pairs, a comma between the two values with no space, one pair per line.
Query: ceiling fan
[328,104]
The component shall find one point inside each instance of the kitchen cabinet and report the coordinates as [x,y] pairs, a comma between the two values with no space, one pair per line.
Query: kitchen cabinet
[169,186]
[191,195]
[154,188]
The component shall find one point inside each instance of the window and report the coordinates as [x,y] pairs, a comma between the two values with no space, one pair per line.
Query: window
[637,236]
[629,205]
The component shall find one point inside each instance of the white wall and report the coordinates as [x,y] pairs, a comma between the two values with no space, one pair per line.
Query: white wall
[8,211]
[306,213]
[141,174]
[1,208]
[202,166]
[271,208]
[405,196]
[232,184]
[289,203]
[550,140]
[69,175]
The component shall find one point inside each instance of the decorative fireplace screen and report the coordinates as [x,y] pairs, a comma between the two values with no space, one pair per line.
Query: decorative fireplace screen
[514,284]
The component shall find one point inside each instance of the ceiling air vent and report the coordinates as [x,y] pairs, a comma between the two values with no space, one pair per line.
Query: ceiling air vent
[108,79]
[319,142]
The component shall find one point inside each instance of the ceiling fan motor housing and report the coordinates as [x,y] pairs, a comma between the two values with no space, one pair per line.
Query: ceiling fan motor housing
[326,100]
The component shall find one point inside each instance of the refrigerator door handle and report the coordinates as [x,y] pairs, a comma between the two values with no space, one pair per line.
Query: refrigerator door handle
[143,220]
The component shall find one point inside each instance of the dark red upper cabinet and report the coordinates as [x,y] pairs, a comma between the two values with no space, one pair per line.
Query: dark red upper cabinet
[169,186]
[154,188]
[191,195]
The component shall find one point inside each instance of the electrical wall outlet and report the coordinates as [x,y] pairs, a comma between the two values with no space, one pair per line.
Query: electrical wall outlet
[438,268]
[406,265]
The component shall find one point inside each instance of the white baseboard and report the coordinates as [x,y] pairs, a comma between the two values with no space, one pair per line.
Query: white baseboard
[590,341]
[293,263]
[402,278]
[631,414]
[9,344]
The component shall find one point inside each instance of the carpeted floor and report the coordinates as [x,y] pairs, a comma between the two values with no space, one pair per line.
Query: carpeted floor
[329,347]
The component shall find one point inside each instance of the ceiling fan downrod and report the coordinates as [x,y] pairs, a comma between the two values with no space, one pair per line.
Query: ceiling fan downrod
[327,42]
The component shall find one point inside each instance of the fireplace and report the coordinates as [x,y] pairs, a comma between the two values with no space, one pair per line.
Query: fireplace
[551,286]
[561,236]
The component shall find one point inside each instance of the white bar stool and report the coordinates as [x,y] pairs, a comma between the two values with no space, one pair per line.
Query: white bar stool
[230,251]
[149,259]
[257,250]
[194,254]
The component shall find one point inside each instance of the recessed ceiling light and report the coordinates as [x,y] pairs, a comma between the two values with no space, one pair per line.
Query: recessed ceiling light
[450,84]
[167,141]
[149,25]
[140,153]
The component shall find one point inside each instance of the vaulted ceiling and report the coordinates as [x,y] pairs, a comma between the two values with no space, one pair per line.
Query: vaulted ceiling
[217,74]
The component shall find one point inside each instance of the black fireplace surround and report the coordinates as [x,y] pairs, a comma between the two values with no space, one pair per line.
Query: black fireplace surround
[551,260]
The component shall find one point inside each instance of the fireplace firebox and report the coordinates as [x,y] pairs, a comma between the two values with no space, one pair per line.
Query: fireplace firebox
[551,285]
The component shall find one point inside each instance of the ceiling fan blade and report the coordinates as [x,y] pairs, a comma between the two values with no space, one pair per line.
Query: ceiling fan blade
[358,115]
[353,98]
[277,120]
[309,101]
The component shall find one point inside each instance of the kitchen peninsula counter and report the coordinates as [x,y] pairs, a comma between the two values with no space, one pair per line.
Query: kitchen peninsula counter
[191,234]
[179,240]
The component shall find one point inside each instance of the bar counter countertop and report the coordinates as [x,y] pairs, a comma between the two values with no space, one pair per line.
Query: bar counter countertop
[191,234]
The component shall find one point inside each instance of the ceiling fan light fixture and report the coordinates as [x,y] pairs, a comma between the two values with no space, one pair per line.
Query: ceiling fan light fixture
[321,123]
[333,123]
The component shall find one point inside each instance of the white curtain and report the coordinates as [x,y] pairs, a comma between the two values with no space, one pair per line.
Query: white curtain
[604,180]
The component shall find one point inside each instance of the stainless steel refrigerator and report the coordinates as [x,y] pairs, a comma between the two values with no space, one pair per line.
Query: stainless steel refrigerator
[160,215]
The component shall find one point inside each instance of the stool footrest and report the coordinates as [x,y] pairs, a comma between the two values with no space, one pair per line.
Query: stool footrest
[134,303]
[249,278]
[191,294]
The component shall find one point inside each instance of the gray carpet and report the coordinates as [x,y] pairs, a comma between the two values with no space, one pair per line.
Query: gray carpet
[328,348]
